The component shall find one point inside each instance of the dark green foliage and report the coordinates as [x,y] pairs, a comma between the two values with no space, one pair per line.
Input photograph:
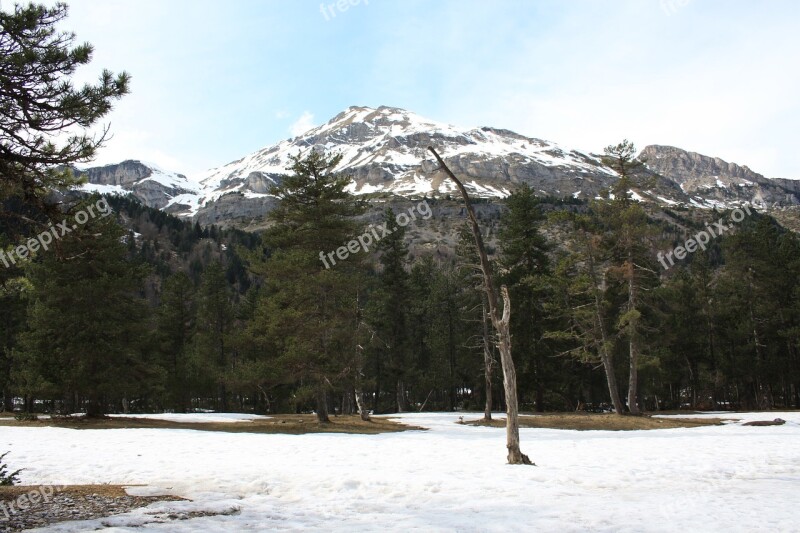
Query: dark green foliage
[222,321]
[39,102]
[525,268]
[86,320]
[212,351]
[175,328]
[308,308]
[7,478]
[388,312]
[13,302]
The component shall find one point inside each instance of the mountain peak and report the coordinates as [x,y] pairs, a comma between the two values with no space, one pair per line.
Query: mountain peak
[384,150]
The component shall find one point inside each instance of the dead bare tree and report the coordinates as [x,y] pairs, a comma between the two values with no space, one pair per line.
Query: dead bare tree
[488,360]
[358,388]
[501,323]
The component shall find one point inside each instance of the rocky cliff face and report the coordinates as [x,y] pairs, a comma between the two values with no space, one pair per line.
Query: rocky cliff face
[711,180]
[153,186]
[385,151]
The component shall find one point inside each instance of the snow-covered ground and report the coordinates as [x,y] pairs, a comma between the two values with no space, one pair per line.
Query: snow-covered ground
[450,478]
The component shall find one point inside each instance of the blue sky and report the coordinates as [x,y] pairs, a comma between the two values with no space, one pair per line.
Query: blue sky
[214,81]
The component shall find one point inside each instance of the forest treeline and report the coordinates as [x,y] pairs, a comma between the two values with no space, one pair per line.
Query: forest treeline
[142,312]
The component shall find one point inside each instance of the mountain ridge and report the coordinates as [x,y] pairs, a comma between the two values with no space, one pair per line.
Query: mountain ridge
[384,150]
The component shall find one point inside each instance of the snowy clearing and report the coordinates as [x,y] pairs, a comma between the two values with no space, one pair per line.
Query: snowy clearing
[450,478]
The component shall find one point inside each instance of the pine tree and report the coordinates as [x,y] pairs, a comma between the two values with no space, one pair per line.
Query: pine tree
[390,305]
[211,343]
[476,312]
[86,320]
[176,315]
[526,269]
[628,239]
[581,285]
[307,307]
[43,117]
[758,284]
[13,303]
[420,326]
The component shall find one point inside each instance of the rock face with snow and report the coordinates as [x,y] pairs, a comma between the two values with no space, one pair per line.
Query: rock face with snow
[385,151]
[708,179]
[153,186]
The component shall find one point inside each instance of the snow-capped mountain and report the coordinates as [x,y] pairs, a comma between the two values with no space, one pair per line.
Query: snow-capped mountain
[152,185]
[384,150]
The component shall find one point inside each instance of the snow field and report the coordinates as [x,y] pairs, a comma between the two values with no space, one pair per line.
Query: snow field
[449,478]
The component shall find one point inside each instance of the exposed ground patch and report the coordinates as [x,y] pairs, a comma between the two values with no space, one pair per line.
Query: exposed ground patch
[600,421]
[51,504]
[291,424]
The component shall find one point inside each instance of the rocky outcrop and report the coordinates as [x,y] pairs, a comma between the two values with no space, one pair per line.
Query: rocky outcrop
[711,178]
[149,184]
[235,209]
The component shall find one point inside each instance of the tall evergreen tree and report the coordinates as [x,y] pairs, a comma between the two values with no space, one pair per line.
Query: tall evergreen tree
[87,321]
[629,236]
[476,313]
[581,280]
[214,318]
[175,327]
[390,305]
[758,284]
[526,269]
[13,303]
[310,296]
[44,117]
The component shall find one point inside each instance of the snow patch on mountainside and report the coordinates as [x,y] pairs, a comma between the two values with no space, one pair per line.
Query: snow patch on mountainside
[393,142]
[105,190]
[384,150]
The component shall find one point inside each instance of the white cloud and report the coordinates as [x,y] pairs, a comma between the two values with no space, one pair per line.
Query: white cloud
[302,124]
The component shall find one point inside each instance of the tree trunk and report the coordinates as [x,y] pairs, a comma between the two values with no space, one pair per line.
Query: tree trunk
[515,455]
[488,361]
[347,403]
[8,400]
[538,382]
[501,325]
[605,355]
[95,407]
[633,345]
[322,404]
[400,394]
[358,389]
[361,404]
[378,373]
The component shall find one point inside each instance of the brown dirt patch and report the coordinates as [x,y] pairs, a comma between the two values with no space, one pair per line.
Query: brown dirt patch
[289,424]
[601,422]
